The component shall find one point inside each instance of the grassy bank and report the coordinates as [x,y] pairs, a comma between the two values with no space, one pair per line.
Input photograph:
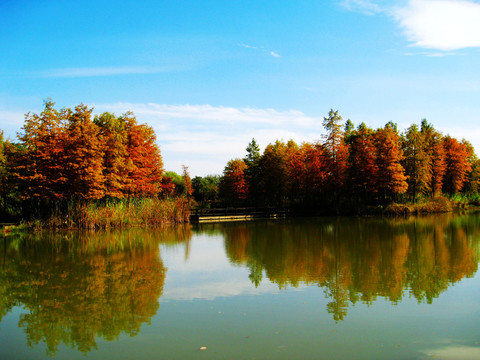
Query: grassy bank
[115,214]
[437,204]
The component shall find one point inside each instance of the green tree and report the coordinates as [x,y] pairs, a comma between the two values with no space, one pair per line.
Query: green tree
[336,153]
[206,189]
[253,171]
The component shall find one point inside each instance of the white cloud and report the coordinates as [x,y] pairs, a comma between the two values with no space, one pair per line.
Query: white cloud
[102,71]
[441,24]
[274,54]
[444,25]
[209,290]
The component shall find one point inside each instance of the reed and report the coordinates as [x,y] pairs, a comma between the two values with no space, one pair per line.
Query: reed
[121,213]
[436,204]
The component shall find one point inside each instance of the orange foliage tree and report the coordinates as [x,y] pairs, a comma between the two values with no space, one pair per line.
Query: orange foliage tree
[145,162]
[275,175]
[64,154]
[233,186]
[392,179]
[84,154]
[362,163]
[457,165]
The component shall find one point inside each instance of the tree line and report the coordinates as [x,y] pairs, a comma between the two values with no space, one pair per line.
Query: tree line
[69,155]
[348,169]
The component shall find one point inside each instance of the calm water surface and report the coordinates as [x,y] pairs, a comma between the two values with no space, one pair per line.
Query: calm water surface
[323,288]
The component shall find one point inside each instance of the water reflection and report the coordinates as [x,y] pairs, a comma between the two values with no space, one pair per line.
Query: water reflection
[76,288]
[358,259]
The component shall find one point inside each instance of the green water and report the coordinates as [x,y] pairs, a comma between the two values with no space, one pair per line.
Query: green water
[317,288]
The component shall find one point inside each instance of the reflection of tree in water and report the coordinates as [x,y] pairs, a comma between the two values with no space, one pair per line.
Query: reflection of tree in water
[79,287]
[360,259]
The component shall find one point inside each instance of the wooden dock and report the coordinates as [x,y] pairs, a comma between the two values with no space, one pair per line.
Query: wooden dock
[236,214]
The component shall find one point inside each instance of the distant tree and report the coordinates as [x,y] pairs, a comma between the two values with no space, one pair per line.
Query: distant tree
[3,176]
[206,189]
[253,171]
[233,186]
[187,181]
[177,181]
[336,153]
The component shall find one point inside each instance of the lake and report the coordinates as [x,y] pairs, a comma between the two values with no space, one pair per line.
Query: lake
[308,288]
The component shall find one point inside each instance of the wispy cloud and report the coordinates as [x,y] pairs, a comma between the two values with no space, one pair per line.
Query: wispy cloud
[441,24]
[205,137]
[11,122]
[261,48]
[367,7]
[102,71]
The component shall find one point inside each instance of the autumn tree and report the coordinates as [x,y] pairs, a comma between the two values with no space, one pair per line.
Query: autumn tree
[233,185]
[362,163]
[309,170]
[458,166]
[188,182]
[275,172]
[40,167]
[84,153]
[417,161]
[436,153]
[114,136]
[392,179]
[3,176]
[145,165]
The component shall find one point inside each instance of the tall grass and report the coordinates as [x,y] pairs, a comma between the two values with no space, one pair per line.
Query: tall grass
[121,213]
[436,204]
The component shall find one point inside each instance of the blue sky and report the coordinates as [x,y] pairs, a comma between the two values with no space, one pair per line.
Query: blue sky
[210,75]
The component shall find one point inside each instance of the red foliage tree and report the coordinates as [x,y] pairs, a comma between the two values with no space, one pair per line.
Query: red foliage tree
[145,165]
[233,185]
